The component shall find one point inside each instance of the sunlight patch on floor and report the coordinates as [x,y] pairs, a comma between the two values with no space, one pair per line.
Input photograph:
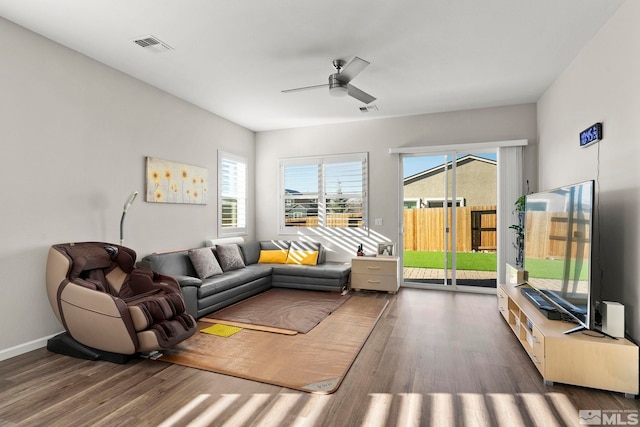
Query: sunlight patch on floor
[505,405]
[378,410]
[442,412]
[474,410]
[214,411]
[277,413]
[539,409]
[410,410]
[312,411]
[248,409]
[185,410]
[383,409]
[564,407]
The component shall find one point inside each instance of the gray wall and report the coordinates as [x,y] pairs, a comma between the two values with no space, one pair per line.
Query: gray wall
[602,85]
[376,137]
[74,135]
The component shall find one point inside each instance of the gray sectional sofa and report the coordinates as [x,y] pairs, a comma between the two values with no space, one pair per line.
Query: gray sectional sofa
[214,277]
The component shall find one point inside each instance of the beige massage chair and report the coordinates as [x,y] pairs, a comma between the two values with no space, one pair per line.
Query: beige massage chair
[110,309]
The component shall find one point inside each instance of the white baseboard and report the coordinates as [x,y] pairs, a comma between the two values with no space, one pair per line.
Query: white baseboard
[25,348]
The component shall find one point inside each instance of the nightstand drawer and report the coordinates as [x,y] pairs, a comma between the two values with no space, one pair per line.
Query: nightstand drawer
[374,282]
[379,267]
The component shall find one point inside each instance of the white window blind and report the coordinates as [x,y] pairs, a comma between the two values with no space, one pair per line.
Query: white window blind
[328,191]
[232,194]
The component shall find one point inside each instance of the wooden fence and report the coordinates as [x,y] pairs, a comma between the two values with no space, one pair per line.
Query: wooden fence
[548,235]
[476,229]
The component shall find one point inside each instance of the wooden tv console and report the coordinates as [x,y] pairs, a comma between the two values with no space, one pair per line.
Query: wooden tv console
[583,358]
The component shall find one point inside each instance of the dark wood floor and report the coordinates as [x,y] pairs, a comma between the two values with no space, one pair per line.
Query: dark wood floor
[434,359]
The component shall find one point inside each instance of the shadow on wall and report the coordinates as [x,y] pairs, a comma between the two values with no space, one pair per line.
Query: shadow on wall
[618,249]
[344,242]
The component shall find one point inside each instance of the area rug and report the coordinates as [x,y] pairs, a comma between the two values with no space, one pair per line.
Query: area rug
[280,310]
[315,362]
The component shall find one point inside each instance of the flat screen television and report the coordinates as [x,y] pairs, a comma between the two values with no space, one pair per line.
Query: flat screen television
[558,234]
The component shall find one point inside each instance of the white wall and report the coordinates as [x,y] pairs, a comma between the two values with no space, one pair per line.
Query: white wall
[376,137]
[602,85]
[74,135]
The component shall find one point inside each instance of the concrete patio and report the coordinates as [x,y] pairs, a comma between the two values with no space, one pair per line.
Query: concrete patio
[433,273]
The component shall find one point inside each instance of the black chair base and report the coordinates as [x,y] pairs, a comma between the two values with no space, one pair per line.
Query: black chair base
[66,345]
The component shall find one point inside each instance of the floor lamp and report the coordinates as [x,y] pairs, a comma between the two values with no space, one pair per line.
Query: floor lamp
[127,205]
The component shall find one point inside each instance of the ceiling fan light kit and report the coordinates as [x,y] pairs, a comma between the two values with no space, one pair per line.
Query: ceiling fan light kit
[337,87]
[339,82]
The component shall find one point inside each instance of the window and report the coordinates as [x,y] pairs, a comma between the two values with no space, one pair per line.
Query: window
[439,202]
[411,203]
[232,194]
[328,191]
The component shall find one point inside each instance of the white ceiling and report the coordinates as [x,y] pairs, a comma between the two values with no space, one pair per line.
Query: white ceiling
[234,57]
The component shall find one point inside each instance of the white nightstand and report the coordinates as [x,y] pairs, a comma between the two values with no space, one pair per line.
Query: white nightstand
[375,273]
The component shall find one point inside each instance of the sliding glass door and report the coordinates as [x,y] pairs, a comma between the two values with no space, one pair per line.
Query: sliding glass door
[449,220]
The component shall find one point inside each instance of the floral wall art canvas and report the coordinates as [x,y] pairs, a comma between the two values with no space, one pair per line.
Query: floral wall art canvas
[173,182]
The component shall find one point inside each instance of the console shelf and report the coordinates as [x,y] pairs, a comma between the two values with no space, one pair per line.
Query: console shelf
[583,359]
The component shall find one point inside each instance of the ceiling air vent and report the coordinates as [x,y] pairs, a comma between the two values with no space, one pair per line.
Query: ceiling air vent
[368,108]
[152,44]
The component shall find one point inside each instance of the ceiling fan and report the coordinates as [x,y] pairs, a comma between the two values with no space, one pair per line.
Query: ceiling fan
[339,82]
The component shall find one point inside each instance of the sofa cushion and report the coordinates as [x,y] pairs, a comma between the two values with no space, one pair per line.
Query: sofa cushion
[304,253]
[276,256]
[232,279]
[250,251]
[326,270]
[302,257]
[274,251]
[230,257]
[204,262]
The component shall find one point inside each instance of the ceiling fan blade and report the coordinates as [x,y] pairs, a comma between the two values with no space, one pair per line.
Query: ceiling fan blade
[360,95]
[352,69]
[298,89]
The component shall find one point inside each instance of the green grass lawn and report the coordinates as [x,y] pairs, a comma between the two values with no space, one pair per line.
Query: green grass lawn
[478,261]
[554,269]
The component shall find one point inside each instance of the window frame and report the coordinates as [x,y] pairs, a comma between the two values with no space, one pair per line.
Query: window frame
[322,195]
[241,197]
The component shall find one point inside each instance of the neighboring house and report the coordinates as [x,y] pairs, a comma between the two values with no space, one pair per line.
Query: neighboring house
[476,182]
[297,211]
[298,206]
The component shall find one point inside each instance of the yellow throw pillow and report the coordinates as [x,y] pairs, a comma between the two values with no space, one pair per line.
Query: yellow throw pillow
[273,256]
[297,256]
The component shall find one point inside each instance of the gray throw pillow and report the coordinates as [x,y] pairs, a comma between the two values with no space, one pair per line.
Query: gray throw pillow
[250,252]
[230,257]
[204,262]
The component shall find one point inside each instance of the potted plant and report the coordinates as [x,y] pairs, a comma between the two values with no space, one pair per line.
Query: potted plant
[519,229]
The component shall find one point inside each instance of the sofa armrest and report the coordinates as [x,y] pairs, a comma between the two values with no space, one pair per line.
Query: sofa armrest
[185,281]
[190,296]
[322,255]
